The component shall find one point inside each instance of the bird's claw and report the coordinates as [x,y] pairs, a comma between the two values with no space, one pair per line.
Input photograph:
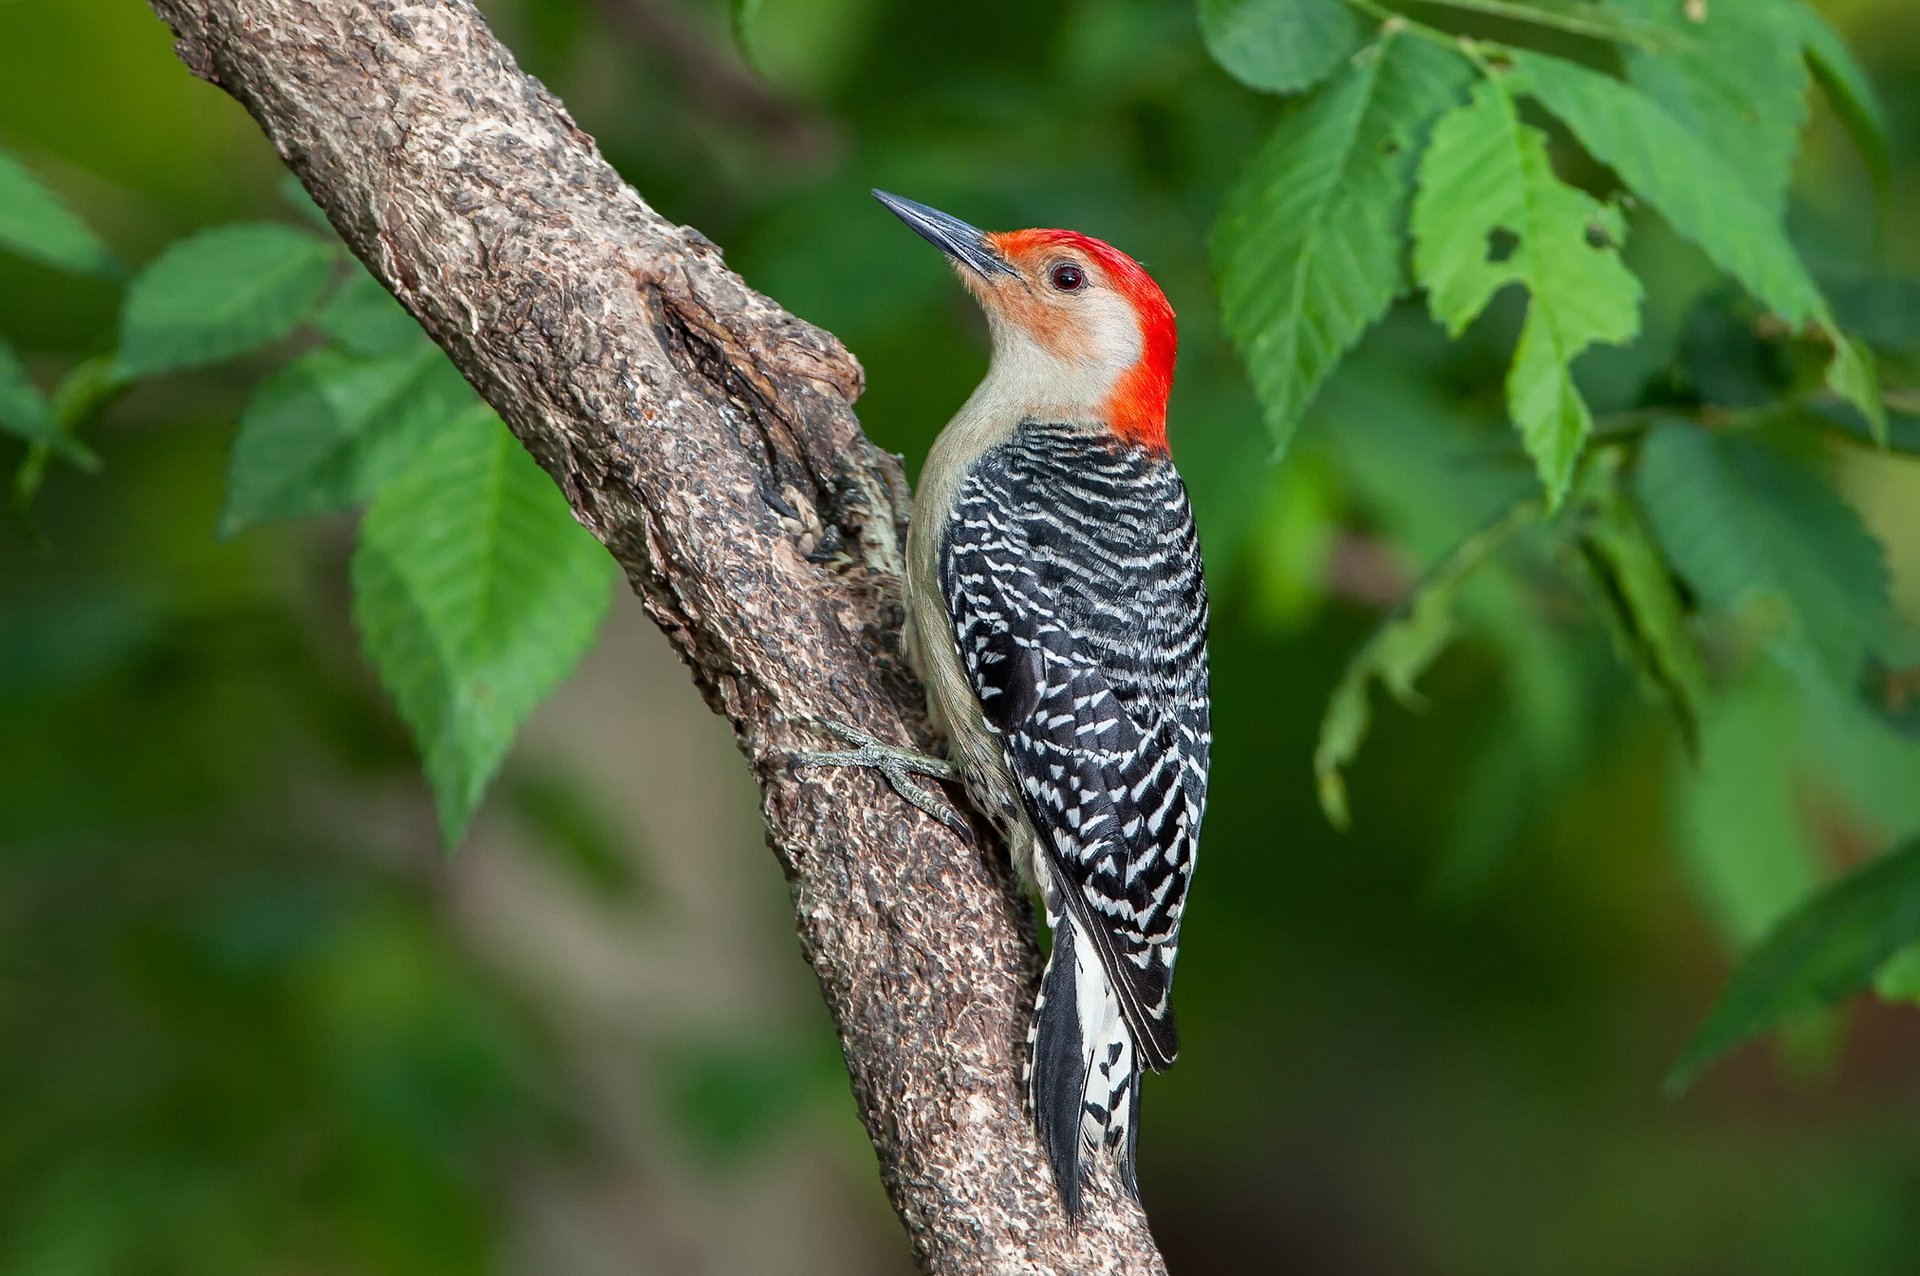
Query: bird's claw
[897,765]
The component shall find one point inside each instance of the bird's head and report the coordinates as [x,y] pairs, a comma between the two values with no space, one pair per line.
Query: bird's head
[1079,329]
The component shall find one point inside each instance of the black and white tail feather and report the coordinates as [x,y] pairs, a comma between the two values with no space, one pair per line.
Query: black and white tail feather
[1083,1074]
[1071,573]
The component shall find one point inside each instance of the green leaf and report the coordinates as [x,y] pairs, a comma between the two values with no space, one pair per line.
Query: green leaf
[1898,981]
[1308,251]
[1282,46]
[1648,618]
[578,826]
[475,592]
[1750,530]
[1853,374]
[362,317]
[36,224]
[326,430]
[1848,88]
[221,293]
[26,414]
[1486,176]
[1699,193]
[1738,84]
[1738,821]
[1825,951]
[745,17]
[1397,653]
[23,409]
[1705,198]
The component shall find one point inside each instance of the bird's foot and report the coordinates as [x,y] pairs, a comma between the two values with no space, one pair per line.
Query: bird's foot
[897,765]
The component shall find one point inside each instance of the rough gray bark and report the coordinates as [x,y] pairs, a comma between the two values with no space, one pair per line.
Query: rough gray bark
[707,437]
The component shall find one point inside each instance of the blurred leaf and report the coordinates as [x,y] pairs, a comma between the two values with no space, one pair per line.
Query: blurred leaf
[475,592]
[1898,981]
[1489,213]
[1738,83]
[745,16]
[1851,93]
[88,389]
[734,1097]
[36,224]
[1282,46]
[1903,431]
[1397,653]
[1881,309]
[1727,362]
[221,293]
[1308,251]
[326,430]
[1749,528]
[294,194]
[1647,616]
[1892,696]
[1855,377]
[1739,826]
[362,317]
[571,819]
[1825,951]
[25,412]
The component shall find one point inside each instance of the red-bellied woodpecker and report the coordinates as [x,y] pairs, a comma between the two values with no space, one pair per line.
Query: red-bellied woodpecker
[1057,611]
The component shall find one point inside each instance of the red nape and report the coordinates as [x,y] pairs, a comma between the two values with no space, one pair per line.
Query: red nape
[1138,407]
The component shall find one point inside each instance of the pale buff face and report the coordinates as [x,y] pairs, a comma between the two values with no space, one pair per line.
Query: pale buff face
[1054,347]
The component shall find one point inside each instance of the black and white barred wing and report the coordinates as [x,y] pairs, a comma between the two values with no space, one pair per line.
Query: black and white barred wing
[1073,578]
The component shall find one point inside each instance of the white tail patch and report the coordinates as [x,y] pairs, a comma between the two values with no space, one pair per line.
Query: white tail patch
[1083,1077]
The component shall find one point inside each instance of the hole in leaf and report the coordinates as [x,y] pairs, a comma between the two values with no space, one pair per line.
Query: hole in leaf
[1500,244]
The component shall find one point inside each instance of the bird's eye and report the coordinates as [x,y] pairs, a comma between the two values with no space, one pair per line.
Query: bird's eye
[1067,277]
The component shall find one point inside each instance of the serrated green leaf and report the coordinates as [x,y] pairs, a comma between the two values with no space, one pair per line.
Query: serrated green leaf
[1308,251]
[221,293]
[326,430]
[475,592]
[1703,196]
[36,224]
[1752,531]
[362,317]
[1738,83]
[1824,951]
[1485,175]
[1682,177]
[1281,46]
[1647,616]
[1397,653]
[1848,88]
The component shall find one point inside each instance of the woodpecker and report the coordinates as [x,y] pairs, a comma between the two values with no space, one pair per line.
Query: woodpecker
[1057,612]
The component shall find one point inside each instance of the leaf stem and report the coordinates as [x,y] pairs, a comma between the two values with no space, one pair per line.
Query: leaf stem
[1598,27]
[1394,20]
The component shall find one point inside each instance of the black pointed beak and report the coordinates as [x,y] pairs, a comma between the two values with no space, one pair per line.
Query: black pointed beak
[965,244]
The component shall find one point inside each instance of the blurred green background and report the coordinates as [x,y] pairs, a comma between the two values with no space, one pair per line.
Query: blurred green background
[252,1020]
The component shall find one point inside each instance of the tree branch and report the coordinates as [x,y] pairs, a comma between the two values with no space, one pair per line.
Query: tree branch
[707,437]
